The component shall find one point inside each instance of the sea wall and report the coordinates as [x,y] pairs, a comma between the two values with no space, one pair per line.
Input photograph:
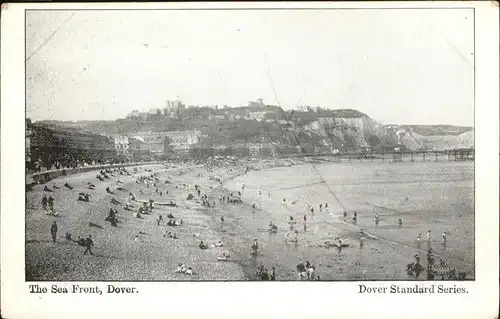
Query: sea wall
[46,176]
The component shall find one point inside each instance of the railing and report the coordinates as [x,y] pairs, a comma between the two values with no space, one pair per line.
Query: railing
[397,156]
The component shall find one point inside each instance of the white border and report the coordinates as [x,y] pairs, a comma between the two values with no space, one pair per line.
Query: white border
[251,299]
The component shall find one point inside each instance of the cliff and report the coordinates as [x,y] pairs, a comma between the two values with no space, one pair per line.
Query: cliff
[320,130]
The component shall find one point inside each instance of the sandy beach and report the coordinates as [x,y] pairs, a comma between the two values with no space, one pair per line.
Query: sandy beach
[138,250]
[118,256]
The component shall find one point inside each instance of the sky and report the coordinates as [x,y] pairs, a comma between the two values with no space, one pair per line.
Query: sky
[397,66]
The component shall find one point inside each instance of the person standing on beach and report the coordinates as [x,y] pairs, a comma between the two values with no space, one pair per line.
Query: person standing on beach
[301,271]
[444,238]
[430,259]
[296,239]
[255,246]
[88,244]
[400,222]
[53,231]
[50,201]
[44,202]
[264,275]
[429,236]
[272,274]
[417,267]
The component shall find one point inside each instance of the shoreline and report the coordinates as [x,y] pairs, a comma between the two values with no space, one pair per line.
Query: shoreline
[241,226]
[380,242]
[74,216]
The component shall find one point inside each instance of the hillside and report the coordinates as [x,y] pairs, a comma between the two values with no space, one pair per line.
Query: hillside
[429,130]
[320,130]
[439,142]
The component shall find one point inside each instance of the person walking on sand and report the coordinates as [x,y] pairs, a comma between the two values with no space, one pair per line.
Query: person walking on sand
[88,244]
[444,238]
[429,236]
[53,231]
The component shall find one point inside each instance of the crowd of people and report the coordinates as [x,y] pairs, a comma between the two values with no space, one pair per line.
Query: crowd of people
[307,271]
[72,158]
[154,185]
[414,269]
[264,274]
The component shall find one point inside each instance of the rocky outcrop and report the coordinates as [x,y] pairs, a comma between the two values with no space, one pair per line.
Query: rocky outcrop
[355,133]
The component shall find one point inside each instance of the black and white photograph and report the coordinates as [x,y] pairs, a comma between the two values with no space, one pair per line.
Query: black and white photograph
[249,160]
[250,145]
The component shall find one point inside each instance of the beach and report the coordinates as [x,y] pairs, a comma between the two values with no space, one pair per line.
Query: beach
[426,196]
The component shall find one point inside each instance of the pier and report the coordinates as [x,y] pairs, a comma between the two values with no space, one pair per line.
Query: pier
[395,156]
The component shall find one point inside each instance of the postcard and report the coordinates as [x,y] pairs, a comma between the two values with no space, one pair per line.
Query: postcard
[252,159]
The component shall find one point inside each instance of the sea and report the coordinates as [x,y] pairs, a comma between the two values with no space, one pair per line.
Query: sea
[426,196]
